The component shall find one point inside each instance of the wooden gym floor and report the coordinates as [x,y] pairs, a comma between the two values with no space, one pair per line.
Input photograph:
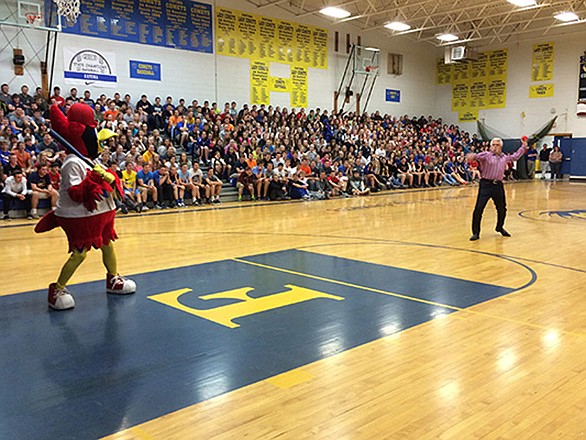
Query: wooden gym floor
[361,318]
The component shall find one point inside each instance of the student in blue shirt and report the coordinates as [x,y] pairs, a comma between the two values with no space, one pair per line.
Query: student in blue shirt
[145,183]
[531,158]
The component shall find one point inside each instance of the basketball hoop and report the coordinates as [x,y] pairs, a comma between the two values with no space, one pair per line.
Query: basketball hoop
[68,9]
[33,19]
[373,70]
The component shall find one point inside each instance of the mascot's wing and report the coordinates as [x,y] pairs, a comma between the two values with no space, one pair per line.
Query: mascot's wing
[92,189]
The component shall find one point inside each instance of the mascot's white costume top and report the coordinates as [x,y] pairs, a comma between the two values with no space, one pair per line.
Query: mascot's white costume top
[86,207]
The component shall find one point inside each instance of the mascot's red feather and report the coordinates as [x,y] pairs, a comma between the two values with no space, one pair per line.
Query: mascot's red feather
[86,207]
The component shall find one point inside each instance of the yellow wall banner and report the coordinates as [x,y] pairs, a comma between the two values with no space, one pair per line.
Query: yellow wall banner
[541,91]
[497,93]
[280,84]
[269,40]
[303,45]
[470,115]
[247,25]
[497,63]
[479,67]
[460,96]
[320,48]
[478,94]
[542,62]
[443,72]
[298,86]
[267,34]
[285,35]
[259,83]
[461,72]
[226,34]
[479,84]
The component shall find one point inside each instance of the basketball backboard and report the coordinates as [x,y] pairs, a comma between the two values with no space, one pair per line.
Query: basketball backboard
[21,13]
[366,60]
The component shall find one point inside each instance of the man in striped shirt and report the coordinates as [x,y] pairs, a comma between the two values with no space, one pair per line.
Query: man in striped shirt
[492,164]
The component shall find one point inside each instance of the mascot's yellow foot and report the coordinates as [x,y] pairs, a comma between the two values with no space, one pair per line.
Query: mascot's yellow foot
[60,298]
[118,285]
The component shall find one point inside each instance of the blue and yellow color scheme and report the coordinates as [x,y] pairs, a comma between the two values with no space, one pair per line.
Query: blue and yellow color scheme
[145,70]
[555,216]
[196,332]
[574,214]
[181,24]
[392,95]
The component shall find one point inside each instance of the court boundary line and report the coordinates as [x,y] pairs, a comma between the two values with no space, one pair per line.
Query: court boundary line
[365,240]
[503,257]
[409,298]
[252,204]
[346,284]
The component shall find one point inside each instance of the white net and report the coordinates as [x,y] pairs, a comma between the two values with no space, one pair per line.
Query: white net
[68,9]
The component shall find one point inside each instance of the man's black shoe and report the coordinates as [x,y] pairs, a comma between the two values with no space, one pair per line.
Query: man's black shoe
[474,237]
[503,232]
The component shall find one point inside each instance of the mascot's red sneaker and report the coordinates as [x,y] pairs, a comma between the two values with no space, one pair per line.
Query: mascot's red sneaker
[119,285]
[60,299]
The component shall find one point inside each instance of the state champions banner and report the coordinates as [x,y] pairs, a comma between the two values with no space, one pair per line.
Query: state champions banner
[89,67]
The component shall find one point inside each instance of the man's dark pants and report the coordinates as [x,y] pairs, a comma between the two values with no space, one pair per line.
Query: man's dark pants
[7,199]
[489,189]
[165,192]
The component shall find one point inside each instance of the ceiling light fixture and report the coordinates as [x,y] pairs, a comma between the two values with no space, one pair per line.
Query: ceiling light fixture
[523,3]
[566,16]
[334,12]
[397,26]
[447,37]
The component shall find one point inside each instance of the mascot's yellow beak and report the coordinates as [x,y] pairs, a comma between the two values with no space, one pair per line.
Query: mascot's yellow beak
[103,135]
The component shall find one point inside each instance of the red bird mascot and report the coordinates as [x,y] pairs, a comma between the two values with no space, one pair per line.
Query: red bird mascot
[86,206]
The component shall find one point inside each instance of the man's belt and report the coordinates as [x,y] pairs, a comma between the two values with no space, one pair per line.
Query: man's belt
[492,182]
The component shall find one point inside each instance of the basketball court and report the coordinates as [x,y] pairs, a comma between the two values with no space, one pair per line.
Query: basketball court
[351,318]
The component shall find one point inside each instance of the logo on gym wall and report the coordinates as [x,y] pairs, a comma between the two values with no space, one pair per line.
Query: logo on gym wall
[89,67]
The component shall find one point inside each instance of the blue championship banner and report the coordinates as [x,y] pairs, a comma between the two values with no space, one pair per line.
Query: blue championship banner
[393,95]
[145,70]
[180,24]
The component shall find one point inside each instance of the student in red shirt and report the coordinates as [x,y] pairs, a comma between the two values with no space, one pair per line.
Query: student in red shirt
[59,100]
[55,175]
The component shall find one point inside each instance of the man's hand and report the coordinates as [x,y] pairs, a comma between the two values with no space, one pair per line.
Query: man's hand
[21,196]
[470,157]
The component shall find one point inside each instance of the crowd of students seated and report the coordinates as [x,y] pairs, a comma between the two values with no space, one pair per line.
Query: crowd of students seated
[173,152]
